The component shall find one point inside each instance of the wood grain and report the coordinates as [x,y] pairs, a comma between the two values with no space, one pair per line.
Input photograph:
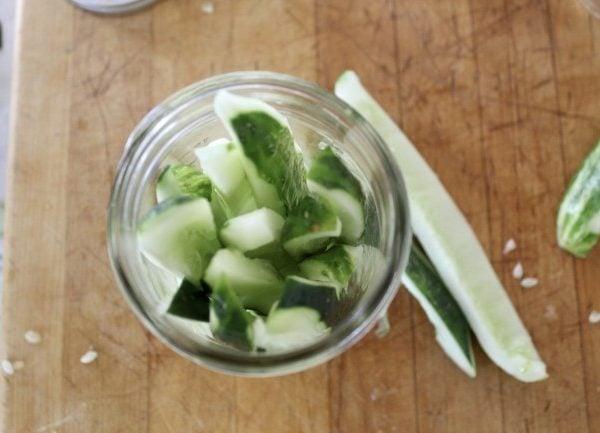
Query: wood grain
[500,96]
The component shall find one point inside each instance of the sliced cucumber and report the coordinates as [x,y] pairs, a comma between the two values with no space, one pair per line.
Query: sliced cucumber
[578,226]
[330,178]
[452,330]
[334,266]
[190,302]
[279,258]
[452,246]
[182,179]
[180,235]
[229,321]
[299,318]
[288,329]
[317,295]
[255,281]
[271,162]
[310,227]
[221,162]
[257,229]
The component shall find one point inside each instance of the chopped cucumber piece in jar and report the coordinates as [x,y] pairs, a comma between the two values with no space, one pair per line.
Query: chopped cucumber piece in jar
[331,180]
[182,180]
[179,234]
[311,227]
[272,164]
[191,301]
[229,321]
[257,229]
[255,281]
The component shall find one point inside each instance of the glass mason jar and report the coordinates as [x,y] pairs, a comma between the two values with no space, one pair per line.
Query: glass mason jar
[112,6]
[173,129]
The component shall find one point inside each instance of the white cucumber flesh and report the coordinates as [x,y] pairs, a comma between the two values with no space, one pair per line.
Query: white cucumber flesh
[348,209]
[221,162]
[180,235]
[255,281]
[288,329]
[253,230]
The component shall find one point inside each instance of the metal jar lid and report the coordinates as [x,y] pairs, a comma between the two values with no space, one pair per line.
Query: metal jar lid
[112,6]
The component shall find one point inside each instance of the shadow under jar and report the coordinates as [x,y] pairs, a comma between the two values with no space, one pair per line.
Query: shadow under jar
[172,130]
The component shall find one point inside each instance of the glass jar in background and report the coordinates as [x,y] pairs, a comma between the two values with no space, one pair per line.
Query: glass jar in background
[173,129]
[112,6]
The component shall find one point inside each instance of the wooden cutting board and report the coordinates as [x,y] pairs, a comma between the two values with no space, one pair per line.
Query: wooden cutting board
[500,96]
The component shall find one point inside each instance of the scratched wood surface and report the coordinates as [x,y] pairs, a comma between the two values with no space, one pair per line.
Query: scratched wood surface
[500,96]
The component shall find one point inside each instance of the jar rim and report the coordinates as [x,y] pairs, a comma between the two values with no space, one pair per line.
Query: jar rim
[352,327]
[112,7]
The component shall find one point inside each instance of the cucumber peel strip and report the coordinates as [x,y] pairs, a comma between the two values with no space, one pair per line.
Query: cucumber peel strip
[452,246]
[452,331]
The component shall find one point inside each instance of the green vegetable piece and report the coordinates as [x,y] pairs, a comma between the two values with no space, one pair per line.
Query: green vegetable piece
[257,229]
[317,295]
[182,180]
[452,246]
[331,179]
[275,169]
[229,321]
[299,318]
[451,327]
[222,163]
[310,227]
[256,282]
[334,266]
[578,225]
[190,302]
[179,234]
[289,328]
[279,258]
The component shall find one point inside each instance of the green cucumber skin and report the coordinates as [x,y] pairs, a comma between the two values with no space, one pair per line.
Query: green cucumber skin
[335,265]
[278,257]
[299,292]
[329,171]
[309,217]
[424,276]
[190,302]
[231,324]
[270,146]
[580,204]
[182,179]
[329,177]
